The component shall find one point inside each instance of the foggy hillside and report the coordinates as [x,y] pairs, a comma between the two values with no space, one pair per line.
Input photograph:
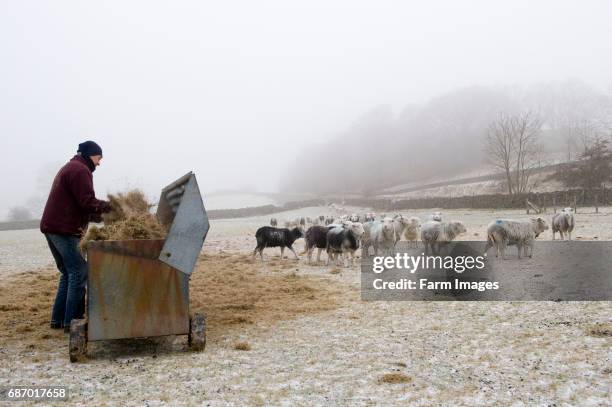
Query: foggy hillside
[444,138]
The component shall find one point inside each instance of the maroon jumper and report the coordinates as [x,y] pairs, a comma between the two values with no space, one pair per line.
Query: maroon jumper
[72,200]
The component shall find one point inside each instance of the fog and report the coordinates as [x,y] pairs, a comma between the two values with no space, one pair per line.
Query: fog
[445,138]
[239,92]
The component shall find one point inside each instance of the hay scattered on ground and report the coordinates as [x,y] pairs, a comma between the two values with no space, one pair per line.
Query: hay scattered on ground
[601,330]
[278,264]
[25,310]
[129,219]
[242,346]
[394,378]
[233,291]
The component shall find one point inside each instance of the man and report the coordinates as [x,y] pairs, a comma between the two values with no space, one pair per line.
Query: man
[71,205]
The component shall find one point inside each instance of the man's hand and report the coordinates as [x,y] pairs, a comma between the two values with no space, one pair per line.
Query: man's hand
[107,207]
[95,217]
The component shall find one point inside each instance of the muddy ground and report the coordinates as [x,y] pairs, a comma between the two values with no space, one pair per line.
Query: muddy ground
[287,333]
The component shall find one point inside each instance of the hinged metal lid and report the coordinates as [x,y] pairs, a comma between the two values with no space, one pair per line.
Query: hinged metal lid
[181,206]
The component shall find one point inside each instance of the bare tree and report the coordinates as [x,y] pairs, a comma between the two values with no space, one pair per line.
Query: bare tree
[512,145]
[574,112]
[499,145]
[579,134]
[589,132]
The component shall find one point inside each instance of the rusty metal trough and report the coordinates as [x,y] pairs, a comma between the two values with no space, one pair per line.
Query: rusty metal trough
[140,288]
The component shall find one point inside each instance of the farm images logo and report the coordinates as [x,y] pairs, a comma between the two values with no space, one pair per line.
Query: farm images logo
[410,263]
[467,271]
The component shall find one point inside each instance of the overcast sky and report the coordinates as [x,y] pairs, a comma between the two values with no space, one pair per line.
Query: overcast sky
[232,90]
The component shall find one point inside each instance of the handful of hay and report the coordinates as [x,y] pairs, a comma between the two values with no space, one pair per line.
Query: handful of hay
[129,219]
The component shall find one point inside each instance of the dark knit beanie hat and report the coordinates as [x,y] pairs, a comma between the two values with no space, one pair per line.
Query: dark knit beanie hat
[89,148]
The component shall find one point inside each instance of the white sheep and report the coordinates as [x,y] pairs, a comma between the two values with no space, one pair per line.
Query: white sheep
[411,232]
[401,224]
[369,217]
[563,222]
[522,233]
[433,233]
[379,234]
[436,216]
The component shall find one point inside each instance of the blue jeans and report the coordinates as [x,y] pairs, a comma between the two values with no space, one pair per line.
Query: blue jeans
[70,298]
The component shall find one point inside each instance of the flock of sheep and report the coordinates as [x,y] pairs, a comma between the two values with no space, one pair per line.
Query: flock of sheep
[342,236]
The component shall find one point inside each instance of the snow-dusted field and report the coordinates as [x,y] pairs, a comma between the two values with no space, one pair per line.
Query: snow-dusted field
[22,250]
[325,352]
[238,234]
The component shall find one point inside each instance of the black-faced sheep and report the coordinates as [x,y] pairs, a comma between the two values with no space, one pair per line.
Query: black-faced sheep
[268,236]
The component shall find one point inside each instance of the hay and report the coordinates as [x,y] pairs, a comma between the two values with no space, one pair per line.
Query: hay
[242,346]
[394,378]
[125,205]
[25,311]
[600,330]
[129,219]
[234,292]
